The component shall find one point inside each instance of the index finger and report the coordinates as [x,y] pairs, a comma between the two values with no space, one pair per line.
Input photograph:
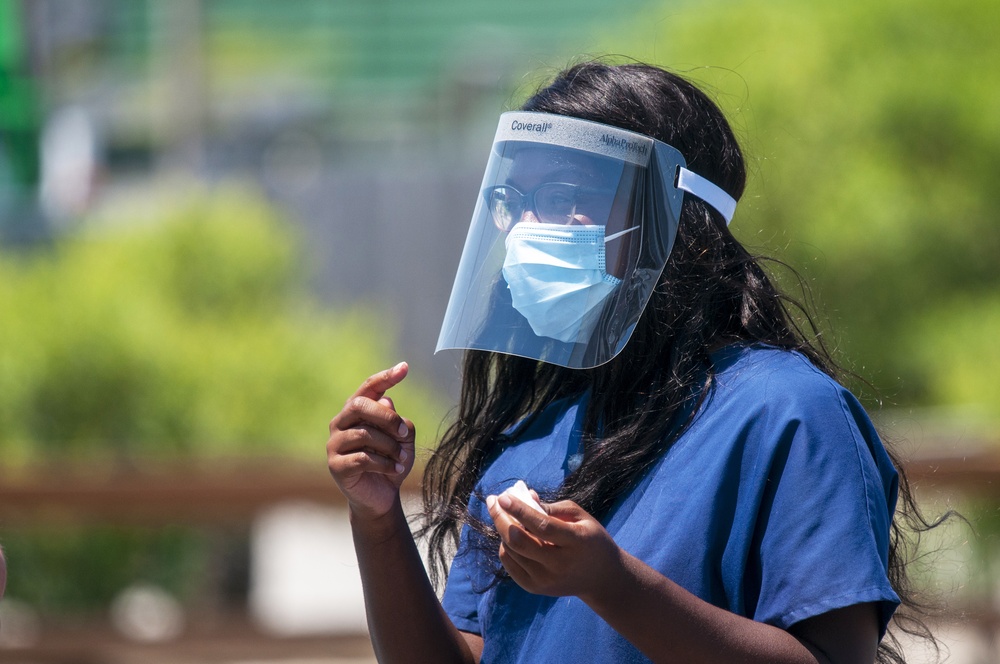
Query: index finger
[377,385]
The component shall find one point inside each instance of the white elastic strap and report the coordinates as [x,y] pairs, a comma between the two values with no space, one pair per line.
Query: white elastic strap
[620,233]
[707,191]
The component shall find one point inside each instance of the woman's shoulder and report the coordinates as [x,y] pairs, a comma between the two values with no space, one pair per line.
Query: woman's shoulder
[772,398]
[774,377]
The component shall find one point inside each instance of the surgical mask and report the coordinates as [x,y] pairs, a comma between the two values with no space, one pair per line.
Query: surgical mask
[557,277]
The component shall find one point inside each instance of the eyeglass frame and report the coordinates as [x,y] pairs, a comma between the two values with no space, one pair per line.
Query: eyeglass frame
[488,193]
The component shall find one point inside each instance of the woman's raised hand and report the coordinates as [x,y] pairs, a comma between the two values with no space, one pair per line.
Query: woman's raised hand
[371,451]
[563,552]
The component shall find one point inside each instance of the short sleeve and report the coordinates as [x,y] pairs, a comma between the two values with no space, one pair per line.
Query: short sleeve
[823,525]
[460,601]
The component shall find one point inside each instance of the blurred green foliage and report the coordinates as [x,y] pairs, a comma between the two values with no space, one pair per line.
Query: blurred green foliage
[80,569]
[873,135]
[188,333]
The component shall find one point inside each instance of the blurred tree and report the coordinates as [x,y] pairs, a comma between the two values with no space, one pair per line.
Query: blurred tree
[873,134]
[79,569]
[189,334]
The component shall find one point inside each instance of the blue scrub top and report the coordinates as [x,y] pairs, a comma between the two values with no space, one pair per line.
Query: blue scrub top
[774,504]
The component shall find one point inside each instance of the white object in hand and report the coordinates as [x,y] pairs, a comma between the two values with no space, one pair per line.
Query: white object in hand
[521,492]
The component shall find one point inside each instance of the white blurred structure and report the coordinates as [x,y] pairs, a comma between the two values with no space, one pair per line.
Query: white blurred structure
[960,645]
[20,625]
[147,614]
[69,164]
[304,576]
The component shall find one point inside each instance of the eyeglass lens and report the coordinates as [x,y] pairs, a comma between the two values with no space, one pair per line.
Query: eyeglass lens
[552,203]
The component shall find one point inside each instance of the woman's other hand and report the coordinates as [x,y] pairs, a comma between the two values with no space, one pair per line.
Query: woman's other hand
[563,552]
[371,447]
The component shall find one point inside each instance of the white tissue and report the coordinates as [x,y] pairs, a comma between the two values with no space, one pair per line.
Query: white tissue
[521,492]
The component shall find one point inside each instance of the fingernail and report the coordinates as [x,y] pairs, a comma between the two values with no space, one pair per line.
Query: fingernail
[404,431]
[399,366]
[399,468]
[504,501]
[490,501]
[403,455]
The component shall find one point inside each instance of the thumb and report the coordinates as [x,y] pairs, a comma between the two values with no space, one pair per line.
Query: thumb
[566,510]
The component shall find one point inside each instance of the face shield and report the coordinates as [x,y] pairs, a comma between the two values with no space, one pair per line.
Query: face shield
[572,228]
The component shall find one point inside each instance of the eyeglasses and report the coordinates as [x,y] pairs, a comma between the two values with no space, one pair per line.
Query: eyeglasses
[552,203]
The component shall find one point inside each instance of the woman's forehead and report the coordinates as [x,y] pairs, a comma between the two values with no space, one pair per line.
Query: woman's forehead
[544,162]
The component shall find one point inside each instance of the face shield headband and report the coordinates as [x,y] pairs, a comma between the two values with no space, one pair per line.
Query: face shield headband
[572,229]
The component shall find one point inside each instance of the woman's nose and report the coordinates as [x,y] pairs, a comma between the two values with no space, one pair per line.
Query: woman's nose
[530,216]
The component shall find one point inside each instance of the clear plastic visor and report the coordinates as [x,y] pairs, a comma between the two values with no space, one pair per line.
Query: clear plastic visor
[573,225]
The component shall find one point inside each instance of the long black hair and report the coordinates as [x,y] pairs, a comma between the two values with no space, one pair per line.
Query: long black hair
[712,292]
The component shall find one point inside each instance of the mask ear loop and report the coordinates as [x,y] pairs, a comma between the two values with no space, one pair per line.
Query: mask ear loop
[620,233]
[707,191]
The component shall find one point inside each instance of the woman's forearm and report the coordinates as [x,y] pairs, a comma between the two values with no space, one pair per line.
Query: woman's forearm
[405,618]
[562,550]
[670,624]
[370,452]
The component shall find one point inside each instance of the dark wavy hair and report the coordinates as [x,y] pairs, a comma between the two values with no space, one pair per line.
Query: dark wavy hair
[712,292]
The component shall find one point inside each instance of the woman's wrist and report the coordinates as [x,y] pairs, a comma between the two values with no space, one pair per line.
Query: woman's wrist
[610,585]
[377,525]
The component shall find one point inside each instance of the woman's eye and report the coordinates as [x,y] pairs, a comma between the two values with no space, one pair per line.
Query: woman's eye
[559,199]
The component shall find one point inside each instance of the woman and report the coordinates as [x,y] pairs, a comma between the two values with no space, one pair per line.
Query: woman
[708,492]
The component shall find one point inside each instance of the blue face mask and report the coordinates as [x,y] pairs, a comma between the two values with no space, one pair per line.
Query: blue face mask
[557,277]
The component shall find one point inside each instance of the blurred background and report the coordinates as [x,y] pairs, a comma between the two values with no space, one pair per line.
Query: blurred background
[218,216]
